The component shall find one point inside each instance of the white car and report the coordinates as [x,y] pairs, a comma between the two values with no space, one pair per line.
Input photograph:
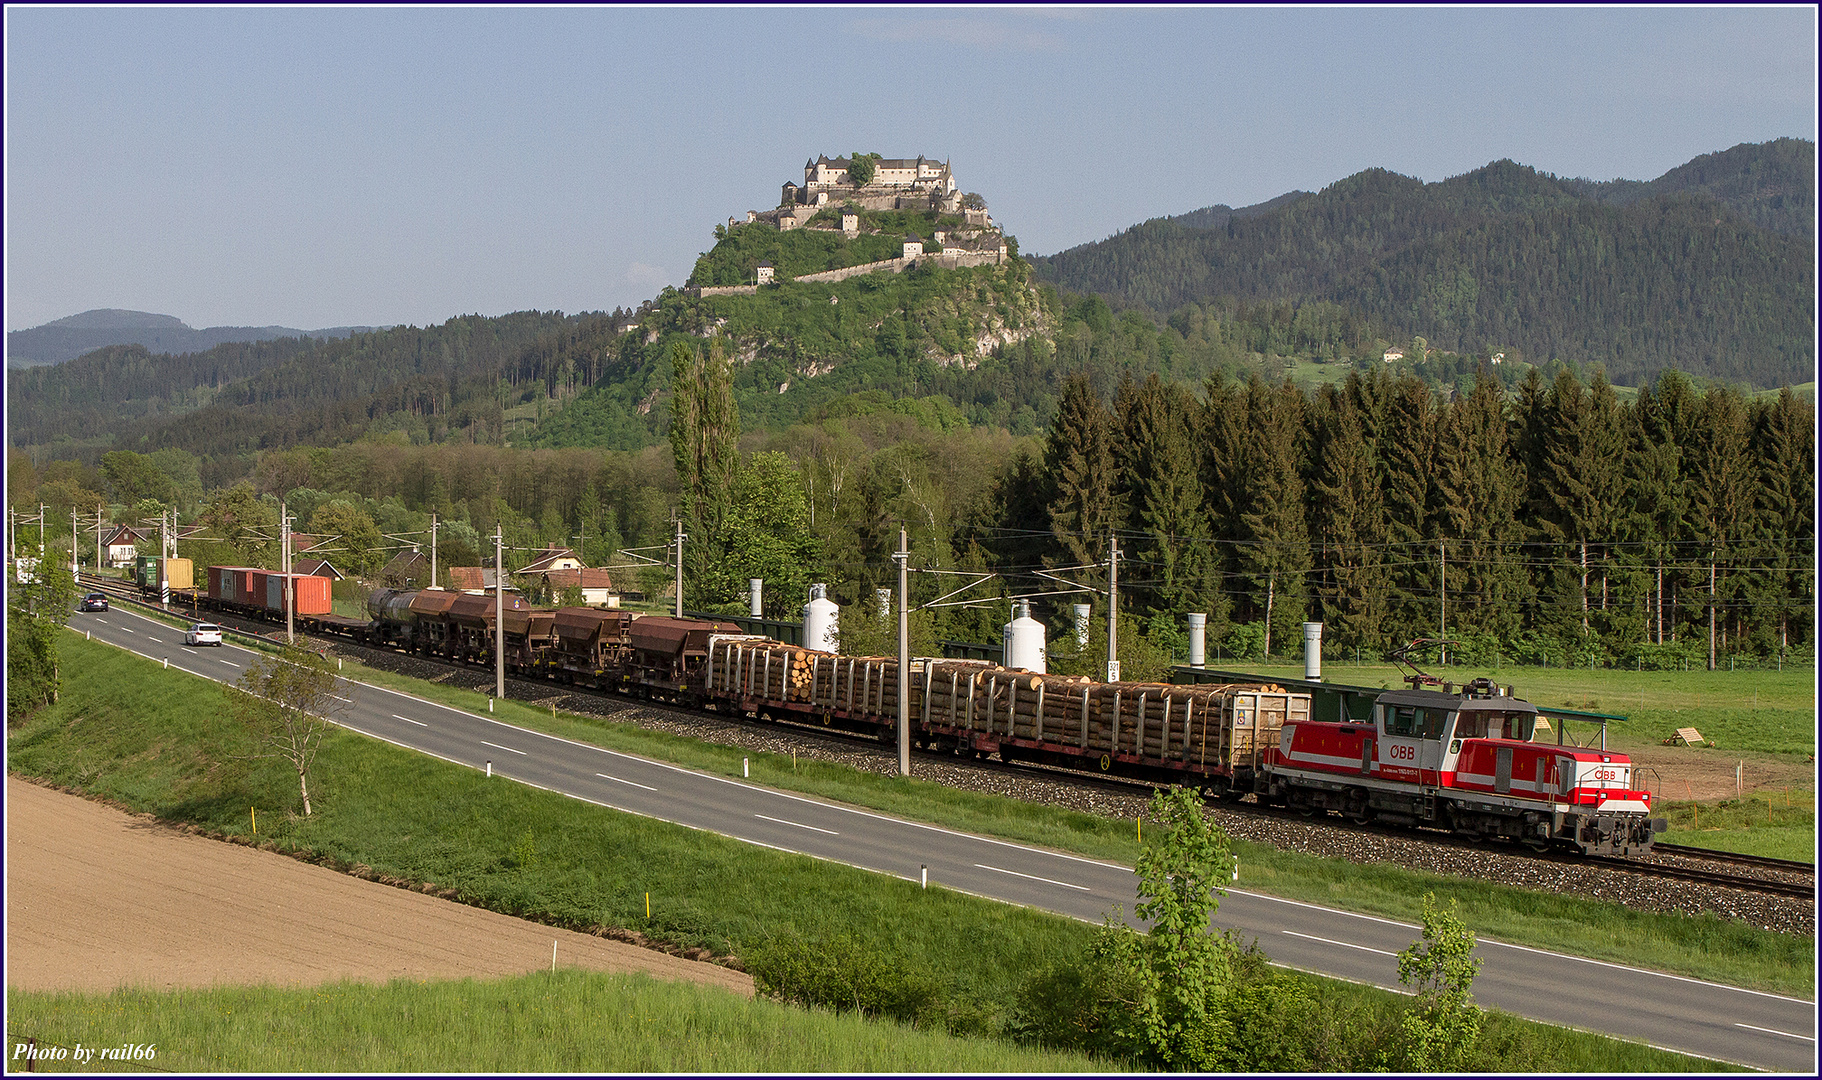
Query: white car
[202,634]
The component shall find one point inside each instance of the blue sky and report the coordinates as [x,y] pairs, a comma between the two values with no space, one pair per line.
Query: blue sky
[314,167]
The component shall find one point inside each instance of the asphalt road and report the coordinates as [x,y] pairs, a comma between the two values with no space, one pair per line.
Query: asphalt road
[1766,1031]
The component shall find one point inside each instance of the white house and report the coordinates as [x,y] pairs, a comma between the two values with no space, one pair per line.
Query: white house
[1393,354]
[122,545]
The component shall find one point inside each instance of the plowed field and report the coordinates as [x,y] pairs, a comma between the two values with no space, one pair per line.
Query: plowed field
[97,899]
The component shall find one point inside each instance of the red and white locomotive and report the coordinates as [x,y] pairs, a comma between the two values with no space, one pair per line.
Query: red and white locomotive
[1465,762]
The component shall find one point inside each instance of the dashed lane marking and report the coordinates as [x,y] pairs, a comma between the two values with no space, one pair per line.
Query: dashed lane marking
[628,783]
[1343,944]
[1775,1031]
[409,720]
[508,749]
[799,824]
[1033,877]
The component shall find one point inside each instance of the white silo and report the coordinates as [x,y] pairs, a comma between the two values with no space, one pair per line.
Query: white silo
[1023,639]
[819,616]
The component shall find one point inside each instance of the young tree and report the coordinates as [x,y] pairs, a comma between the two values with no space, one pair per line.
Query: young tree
[1178,976]
[287,703]
[1443,1023]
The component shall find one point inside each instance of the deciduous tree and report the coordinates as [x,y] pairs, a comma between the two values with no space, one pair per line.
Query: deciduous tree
[287,703]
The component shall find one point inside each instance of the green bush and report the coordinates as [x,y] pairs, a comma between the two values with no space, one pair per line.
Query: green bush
[845,974]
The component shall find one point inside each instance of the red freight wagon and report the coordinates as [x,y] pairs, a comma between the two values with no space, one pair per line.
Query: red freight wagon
[309,592]
[233,585]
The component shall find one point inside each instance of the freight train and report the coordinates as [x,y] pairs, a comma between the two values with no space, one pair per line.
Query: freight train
[1460,760]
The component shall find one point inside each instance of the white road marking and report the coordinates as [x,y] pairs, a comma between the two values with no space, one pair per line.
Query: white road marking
[345,701]
[128,629]
[508,749]
[1034,877]
[799,824]
[230,663]
[628,783]
[1343,944]
[1775,1031]
[191,651]
[409,720]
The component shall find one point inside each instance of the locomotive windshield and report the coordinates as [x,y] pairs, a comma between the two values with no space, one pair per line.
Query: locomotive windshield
[1495,724]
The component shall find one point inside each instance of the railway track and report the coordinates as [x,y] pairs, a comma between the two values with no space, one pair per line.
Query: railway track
[1774,877]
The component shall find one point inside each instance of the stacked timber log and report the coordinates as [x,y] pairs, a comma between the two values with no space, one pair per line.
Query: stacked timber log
[1224,725]
[1214,726]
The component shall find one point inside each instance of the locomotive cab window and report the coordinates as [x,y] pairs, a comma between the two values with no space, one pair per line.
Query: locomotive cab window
[1495,725]
[1400,720]
[1430,723]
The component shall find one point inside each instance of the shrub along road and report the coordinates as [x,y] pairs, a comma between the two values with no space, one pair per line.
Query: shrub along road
[1764,1030]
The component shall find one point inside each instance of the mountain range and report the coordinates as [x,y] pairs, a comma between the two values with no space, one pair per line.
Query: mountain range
[1709,268]
[70,337]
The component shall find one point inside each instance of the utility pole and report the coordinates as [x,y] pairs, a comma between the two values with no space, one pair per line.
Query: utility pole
[101,518]
[679,542]
[284,555]
[164,541]
[1712,559]
[1113,608]
[433,550]
[1442,624]
[75,562]
[904,653]
[499,612]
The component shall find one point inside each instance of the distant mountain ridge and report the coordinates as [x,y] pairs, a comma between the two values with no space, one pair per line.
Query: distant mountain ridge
[1217,216]
[1710,268]
[71,336]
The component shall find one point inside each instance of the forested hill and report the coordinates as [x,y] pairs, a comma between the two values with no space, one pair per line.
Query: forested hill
[244,397]
[1709,269]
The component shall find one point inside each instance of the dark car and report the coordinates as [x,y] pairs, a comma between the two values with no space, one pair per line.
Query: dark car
[95,602]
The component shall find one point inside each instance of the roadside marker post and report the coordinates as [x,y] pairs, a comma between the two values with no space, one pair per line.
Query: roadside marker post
[924,875]
[490,768]
[745,771]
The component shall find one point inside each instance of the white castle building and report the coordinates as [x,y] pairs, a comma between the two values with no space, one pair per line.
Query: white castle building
[918,183]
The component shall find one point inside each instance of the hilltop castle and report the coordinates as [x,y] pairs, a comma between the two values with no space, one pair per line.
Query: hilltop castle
[918,183]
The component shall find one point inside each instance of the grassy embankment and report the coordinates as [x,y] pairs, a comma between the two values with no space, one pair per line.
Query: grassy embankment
[564,1022]
[574,1021]
[131,731]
